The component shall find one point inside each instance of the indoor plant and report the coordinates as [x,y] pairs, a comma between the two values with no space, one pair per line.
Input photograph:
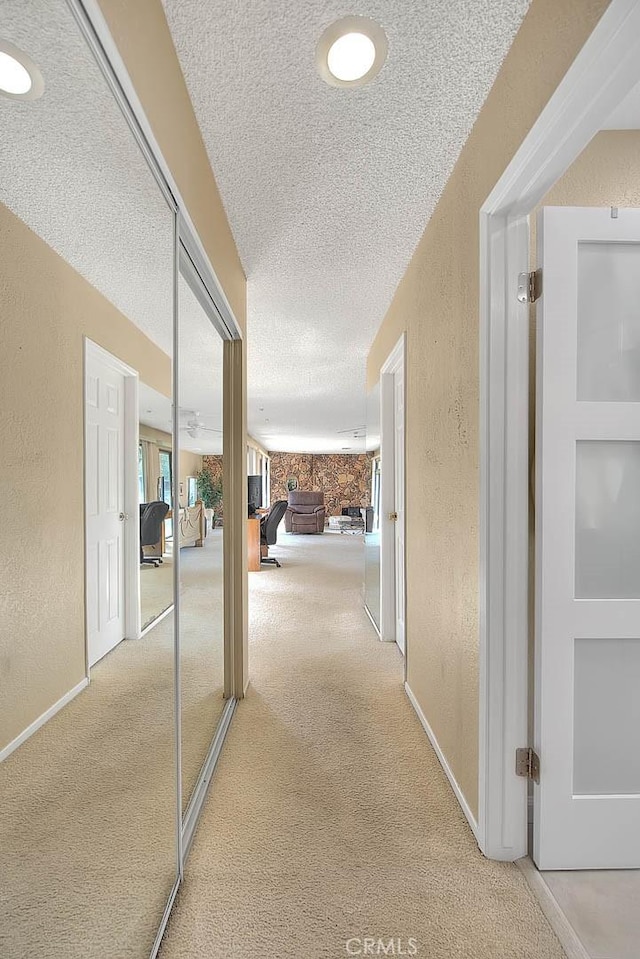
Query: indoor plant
[210,492]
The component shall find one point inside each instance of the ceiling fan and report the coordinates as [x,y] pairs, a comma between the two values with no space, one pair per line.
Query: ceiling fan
[194,425]
[358,432]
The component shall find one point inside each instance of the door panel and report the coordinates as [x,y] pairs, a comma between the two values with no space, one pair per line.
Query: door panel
[104,484]
[608,352]
[587,805]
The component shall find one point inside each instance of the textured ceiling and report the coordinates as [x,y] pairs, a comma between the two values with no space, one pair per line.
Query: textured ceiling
[71,170]
[328,190]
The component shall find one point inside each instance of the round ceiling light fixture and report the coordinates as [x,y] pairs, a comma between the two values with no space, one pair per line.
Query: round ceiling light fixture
[20,78]
[351,52]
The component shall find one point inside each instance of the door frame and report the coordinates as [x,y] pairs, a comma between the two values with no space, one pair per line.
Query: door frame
[131,550]
[603,73]
[394,363]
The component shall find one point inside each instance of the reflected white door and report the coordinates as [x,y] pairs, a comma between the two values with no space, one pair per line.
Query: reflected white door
[398,387]
[587,673]
[104,504]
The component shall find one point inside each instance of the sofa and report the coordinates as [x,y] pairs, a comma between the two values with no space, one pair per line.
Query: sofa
[305,512]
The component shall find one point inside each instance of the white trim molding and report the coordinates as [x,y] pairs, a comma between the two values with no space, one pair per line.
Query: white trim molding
[443,762]
[602,75]
[373,622]
[569,939]
[44,718]
[393,363]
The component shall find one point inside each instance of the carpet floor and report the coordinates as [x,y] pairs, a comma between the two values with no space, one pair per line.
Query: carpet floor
[156,590]
[87,831]
[329,820]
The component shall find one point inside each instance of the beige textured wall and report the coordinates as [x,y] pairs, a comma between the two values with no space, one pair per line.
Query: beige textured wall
[607,173]
[46,309]
[437,304]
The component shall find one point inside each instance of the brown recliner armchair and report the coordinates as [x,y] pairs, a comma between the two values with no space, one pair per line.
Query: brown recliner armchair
[305,512]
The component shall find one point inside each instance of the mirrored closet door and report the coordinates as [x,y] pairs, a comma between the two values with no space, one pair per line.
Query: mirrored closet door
[112,633]
[88,777]
[199,526]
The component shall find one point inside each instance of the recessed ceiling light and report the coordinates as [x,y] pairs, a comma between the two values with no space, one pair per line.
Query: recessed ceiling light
[351,52]
[20,78]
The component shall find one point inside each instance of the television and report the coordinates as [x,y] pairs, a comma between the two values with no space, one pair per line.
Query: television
[254,488]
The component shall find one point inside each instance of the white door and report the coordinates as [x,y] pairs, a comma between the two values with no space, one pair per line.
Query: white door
[104,504]
[398,395]
[587,673]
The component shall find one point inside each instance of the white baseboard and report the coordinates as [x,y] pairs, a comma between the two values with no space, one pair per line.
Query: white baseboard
[41,720]
[556,918]
[443,762]
[373,622]
[158,619]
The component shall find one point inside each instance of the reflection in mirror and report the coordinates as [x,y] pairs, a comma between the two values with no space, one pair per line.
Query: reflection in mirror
[87,771]
[372,533]
[155,472]
[198,533]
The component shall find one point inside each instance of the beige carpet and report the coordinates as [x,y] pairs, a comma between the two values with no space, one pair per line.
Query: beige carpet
[87,831]
[329,818]
[156,590]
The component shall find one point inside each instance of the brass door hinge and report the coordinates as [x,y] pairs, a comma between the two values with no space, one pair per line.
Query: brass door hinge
[528,764]
[529,286]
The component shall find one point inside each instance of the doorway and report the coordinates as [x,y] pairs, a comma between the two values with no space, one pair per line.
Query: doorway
[111,502]
[392,497]
[601,77]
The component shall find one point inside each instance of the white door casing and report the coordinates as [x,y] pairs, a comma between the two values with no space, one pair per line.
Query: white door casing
[392,538]
[601,76]
[587,708]
[399,469]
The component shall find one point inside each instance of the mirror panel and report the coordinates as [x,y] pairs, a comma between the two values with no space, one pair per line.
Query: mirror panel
[155,484]
[88,778]
[200,531]
[372,532]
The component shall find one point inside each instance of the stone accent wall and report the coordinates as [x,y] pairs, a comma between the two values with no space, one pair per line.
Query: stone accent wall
[213,464]
[345,479]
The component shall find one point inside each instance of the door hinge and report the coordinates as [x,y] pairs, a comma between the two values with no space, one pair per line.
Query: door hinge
[529,286]
[528,764]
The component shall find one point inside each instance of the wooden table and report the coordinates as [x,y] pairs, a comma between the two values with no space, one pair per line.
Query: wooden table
[253,545]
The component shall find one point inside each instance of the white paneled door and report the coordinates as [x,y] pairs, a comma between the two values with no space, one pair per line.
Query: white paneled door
[587,672]
[104,504]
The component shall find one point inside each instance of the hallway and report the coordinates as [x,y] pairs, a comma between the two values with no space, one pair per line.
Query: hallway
[329,819]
